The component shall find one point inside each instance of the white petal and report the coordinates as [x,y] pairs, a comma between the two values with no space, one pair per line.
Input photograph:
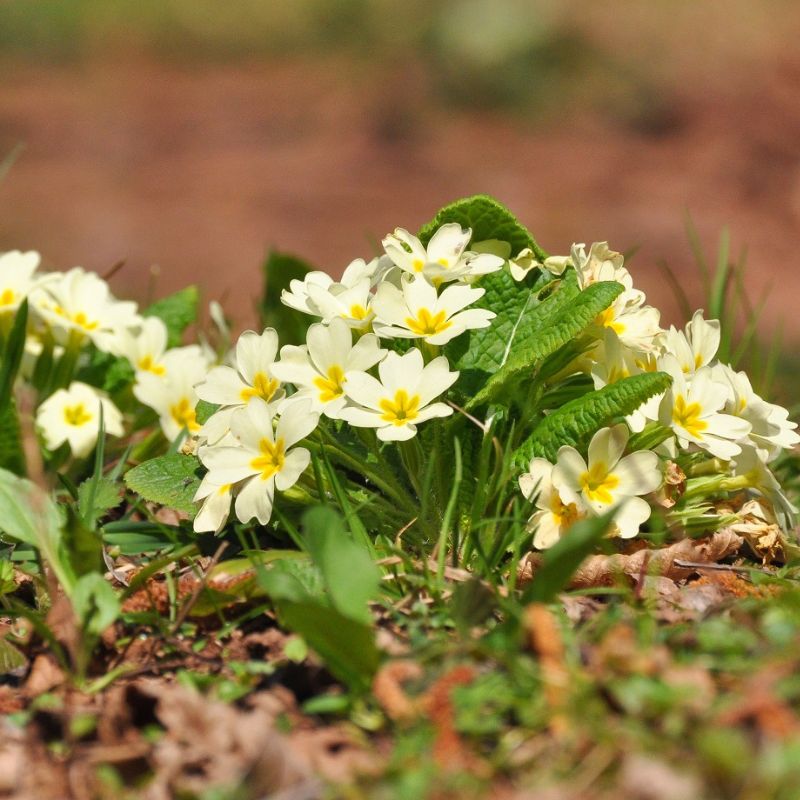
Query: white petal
[296,423]
[293,466]
[255,500]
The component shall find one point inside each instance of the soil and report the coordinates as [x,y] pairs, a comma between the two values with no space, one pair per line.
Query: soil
[200,169]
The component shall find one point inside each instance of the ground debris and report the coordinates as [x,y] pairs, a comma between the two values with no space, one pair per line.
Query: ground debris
[605,570]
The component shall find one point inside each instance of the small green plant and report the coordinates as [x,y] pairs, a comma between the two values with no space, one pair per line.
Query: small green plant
[459,400]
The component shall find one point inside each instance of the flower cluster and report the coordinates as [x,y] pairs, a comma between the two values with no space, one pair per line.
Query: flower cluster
[709,408]
[74,314]
[382,357]
[411,292]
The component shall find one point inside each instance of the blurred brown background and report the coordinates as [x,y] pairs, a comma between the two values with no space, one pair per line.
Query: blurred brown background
[194,135]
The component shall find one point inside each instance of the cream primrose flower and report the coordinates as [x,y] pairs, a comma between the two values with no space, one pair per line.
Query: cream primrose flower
[696,346]
[251,375]
[772,430]
[399,401]
[318,368]
[521,264]
[415,311]
[612,361]
[73,415]
[692,407]
[144,345]
[172,395]
[216,507]
[349,298]
[553,517]
[445,258]
[601,264]
[636,324]
[609,480]
[262,461]
[79,304]
[17,278]
[750,464]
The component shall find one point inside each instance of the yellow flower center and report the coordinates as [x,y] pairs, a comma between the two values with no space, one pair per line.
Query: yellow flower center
[79,318]
[698,361]
[564,515]
[687,416]
[148,364]
[7,297]
[443,262]
[331,387]
[401,410]
[225,488]
[263,387]
[607,320]
[617,373]
[427,324]
[357,311]
[272,458]
[76,415]
[597,483]
[183,413]
[418,265]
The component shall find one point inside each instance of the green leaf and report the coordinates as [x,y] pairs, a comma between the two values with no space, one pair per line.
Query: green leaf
[30,515]
[11,657]
[350,575]
[279,270]
[169,480]
[83,546]
[488,219]
[12,355]
[204,410]
[95,603]
[544,329]
[12,455]
[576,421]
[177,312]
[565,556]
[346,645]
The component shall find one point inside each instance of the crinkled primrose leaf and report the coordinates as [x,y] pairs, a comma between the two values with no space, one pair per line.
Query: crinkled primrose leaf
[169,480]
[544,332]
[574,422]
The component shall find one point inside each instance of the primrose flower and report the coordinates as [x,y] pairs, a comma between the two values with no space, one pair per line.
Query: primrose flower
[693,409]
[73,415]
[349,298]
[401,399]
[172,395]
[771,429]
[609,480]
[144,346]
[553,517]
[318,368]
[216,506]
[601,264]
[636,324]
[17,278]
[519,265]
[250,376]
[749,463]
[696,346]
[414,311]
[262,461]
[445,258]
[78,304]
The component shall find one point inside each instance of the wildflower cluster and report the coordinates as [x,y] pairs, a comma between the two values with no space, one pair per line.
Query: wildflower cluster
[461,381]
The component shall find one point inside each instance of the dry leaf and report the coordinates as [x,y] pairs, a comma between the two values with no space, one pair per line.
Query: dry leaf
[605,570]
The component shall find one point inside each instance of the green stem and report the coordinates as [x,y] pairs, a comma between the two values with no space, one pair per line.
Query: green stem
[382,478]
[412,457]
[65,368]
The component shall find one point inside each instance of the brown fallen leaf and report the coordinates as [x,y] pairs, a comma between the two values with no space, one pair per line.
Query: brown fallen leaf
[387,686]
[548,644]
[605,570]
